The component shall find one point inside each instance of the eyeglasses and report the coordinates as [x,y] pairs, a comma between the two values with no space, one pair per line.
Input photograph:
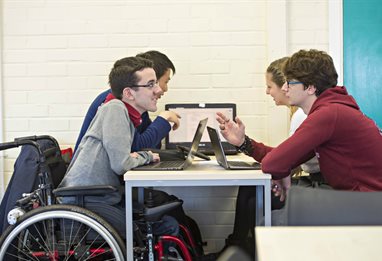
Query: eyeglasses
[150,84]
[293,83]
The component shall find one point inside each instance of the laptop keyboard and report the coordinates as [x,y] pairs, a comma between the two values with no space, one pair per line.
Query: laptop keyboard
[238,163]
[168,165]
[211,152]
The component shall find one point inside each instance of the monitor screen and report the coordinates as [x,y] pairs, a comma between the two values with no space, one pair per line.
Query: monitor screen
[190,114]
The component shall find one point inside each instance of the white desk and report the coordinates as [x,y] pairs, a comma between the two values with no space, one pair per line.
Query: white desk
[200,174]
[318,243]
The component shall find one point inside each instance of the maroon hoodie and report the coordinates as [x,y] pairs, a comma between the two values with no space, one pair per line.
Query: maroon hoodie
[348,145]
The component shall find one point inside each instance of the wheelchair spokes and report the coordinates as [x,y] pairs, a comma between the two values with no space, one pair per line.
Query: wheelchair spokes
[58,233]
[166,247]
[41,229]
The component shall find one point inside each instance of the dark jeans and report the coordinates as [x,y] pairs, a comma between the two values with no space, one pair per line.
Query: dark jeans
[246,211]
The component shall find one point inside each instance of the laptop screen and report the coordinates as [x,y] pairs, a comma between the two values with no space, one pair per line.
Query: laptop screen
[190,114]
[196,140]
[217,147]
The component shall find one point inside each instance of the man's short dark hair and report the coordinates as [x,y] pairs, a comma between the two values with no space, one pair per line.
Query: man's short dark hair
[312,67]
[161,62]
[124,74]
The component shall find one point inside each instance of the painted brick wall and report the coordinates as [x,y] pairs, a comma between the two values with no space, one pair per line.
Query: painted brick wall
[57,55]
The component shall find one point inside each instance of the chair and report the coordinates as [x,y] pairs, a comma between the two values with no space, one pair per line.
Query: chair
[323,207]
[26,178]
[41,229]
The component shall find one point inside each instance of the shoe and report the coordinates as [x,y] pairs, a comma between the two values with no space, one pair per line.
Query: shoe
[209,257]
[246,244]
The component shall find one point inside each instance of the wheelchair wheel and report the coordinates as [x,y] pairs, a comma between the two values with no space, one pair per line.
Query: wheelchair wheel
[61,232]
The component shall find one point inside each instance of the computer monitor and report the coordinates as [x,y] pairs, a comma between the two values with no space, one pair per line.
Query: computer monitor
[190,114]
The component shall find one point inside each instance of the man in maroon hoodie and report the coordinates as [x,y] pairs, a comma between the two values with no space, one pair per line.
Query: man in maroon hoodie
[347,144]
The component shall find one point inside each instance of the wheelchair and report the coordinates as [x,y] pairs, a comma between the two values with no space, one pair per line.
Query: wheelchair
[42,229]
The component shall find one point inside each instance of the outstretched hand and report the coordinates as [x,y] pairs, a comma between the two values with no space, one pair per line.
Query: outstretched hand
[233,132]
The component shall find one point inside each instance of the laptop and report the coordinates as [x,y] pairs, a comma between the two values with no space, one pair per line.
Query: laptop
[179,164]
[190,114]
[221,157]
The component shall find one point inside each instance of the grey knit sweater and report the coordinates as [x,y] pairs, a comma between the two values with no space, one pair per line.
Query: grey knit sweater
[104,152]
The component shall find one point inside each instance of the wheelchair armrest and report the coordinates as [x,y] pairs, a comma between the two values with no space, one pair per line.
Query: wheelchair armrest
[156,213]
[84,190]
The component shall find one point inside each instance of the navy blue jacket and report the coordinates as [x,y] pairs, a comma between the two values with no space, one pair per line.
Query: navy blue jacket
[147,135]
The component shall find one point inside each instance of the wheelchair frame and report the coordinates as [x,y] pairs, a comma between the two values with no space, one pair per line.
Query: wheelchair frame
[44,230]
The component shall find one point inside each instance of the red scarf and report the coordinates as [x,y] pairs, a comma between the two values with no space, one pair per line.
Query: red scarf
[134,115]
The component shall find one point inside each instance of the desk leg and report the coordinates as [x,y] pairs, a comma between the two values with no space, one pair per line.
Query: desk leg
[141,196]
[259,204]
[129,222]
[267,203]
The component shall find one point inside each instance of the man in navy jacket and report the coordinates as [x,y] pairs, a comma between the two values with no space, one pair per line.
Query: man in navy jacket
[149,133]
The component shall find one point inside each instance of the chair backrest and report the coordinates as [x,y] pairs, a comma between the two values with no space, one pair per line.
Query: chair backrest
[26,168]
[323,207]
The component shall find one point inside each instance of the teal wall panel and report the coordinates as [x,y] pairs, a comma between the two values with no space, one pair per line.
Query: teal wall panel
[363,54]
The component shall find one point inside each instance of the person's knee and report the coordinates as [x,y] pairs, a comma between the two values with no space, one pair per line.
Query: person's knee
[171,225]
[167,226]
[279,217]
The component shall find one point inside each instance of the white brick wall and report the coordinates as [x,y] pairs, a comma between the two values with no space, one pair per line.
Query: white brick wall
[57,55]
[2,172]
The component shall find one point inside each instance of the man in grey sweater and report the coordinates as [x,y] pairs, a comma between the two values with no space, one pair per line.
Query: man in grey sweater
[104,153]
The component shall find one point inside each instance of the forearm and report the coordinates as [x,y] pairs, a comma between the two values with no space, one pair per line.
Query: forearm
[281,161]
[152,136]
[254,149]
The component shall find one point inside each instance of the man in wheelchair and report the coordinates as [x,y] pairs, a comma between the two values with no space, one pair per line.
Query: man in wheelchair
[104,153]
[149,135]
[66,232]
